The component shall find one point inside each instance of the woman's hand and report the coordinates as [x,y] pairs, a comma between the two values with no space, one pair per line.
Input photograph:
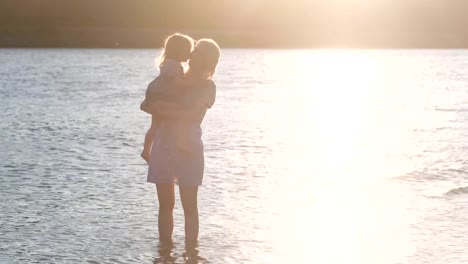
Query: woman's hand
[146,155]
[145,107]
[152,109]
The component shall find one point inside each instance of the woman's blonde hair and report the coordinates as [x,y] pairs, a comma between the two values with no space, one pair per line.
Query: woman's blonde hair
[177,47]
[209,53]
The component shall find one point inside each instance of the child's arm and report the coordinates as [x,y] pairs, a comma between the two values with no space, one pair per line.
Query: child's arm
[145,105]
[152,92]
[149,138]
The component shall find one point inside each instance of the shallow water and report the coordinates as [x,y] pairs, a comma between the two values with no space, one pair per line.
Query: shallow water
[312,156]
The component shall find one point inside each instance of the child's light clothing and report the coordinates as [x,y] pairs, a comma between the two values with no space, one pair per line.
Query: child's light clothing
[165,89]
[171,68]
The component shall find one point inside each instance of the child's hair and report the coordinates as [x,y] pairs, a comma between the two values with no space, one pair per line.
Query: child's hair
[177,47]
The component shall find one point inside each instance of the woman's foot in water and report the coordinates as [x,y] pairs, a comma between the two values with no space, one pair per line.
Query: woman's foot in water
[165,252]
[191,254]
[165,246]
[191,246]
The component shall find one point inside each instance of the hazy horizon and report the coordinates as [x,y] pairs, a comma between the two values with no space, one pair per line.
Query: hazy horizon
[242,23]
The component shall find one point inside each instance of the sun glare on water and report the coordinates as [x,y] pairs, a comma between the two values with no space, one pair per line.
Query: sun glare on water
[328,114]
[328,109]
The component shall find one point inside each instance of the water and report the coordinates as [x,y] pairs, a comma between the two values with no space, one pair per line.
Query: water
[312,156]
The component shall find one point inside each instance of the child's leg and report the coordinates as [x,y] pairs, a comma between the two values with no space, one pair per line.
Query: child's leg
[149,137]
[146,153]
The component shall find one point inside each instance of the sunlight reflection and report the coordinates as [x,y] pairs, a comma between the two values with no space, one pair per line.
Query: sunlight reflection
[331,114]
[336,140]
[346,224]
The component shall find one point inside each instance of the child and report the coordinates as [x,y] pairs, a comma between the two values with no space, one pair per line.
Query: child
[168,87]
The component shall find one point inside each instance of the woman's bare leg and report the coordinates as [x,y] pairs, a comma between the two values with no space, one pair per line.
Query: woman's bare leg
[166,199]
[188,196]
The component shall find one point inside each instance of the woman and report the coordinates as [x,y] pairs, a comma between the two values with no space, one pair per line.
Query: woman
[168,164]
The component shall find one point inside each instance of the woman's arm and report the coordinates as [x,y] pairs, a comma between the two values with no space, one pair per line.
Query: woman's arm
[169,110]
[196,112]
[175,111]
[144,106]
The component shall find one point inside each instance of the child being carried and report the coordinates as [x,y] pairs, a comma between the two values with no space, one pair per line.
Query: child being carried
[168,88]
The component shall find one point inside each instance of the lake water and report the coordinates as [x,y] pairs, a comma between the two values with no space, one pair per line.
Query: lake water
[312,156]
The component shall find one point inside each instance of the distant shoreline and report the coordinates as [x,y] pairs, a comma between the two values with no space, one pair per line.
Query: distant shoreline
[144,38]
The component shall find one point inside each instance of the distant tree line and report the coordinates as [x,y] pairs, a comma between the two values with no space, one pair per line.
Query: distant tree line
[235,23]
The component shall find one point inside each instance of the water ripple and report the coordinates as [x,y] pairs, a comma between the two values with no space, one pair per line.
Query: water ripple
[312,157]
